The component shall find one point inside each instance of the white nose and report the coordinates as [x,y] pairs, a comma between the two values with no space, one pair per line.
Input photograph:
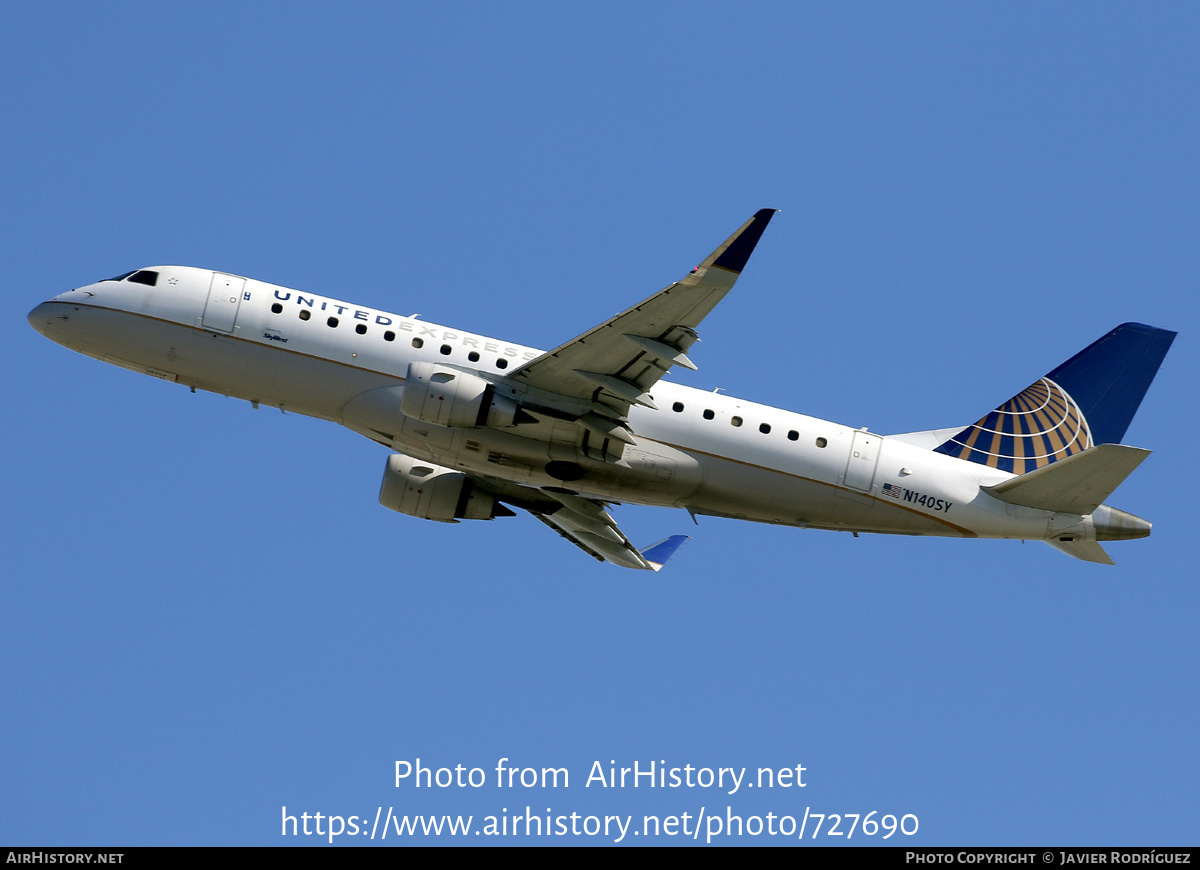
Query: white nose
[43,316]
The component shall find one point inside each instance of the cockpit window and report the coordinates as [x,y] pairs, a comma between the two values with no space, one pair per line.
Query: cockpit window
[145,276]
[138,276]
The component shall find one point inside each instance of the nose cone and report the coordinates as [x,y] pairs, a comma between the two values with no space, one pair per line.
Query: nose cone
[42,317]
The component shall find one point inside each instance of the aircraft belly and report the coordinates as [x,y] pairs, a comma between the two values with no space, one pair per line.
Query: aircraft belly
[315,386]
[156,347]
[744,491]
[651,474]
[224,364]
[279,378]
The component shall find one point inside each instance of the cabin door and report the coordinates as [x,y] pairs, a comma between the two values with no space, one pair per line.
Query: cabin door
[860,469]
[224,297]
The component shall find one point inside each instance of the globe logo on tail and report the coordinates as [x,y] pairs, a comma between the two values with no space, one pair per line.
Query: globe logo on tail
[1039,425]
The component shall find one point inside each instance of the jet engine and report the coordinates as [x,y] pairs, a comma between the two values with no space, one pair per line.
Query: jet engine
[431,492]
[445,396]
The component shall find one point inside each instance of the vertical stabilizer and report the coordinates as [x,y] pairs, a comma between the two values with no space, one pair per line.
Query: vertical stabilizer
[1087,551]
[1090,399]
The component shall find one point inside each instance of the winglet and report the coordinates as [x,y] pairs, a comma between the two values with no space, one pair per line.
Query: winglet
[734,254]
[658,554]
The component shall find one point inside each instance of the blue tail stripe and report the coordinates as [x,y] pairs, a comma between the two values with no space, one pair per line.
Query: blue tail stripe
[1109,377]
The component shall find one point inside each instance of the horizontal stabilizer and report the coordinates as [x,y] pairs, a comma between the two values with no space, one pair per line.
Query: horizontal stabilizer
[1087,551]
[1076,485]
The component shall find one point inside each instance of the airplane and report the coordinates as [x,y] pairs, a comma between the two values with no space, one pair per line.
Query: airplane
[481,426]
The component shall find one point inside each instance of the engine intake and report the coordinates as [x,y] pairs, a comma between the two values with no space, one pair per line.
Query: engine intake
[431,492]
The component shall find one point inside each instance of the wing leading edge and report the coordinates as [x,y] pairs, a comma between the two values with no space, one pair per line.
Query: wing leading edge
[616,364]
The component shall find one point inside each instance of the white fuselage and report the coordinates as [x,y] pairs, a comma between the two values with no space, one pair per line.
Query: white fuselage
[709,453]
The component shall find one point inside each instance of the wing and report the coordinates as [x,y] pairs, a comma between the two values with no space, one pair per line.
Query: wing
[585,523]
[593,380]
[615,364]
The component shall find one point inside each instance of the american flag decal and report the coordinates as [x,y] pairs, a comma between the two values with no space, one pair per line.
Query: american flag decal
[892,491]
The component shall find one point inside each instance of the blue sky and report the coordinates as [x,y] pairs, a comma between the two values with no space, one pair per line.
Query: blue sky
[206,614]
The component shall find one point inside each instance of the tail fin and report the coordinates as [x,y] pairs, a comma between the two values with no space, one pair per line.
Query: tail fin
[1090,399]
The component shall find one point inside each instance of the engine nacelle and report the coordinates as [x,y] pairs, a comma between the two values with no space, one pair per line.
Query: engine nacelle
[431,492]
[445,396]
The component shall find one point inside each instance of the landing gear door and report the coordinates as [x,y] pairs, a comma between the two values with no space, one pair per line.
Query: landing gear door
[224,297]
[860,469]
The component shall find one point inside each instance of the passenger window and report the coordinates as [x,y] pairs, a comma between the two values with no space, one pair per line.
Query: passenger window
[473,356]
[678,406]
[793,435]
[821,442]
[389,336]
[418,342]
[277,308]
[736,421]
[764,428]
[305,314]
[361,329]
[333,321]
[445,349]
[144,277]
[502,363]
[708,414]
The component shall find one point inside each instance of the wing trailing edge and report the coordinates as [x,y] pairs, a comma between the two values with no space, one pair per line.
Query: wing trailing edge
[587,525]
